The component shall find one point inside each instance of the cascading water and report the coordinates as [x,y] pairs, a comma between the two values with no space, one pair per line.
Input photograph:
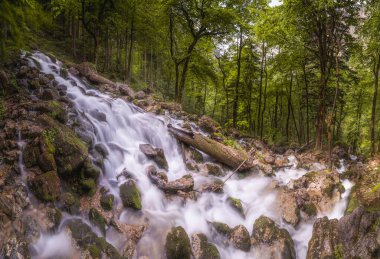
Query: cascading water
[121,129]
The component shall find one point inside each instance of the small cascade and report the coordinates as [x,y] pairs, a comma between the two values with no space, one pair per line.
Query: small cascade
[120,127]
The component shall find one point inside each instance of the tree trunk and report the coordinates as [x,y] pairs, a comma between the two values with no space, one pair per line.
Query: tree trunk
[376,69]
[129,67]
[236,97]
[260,87]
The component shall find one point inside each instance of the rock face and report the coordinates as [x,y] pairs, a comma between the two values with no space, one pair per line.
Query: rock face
[156,154]
[177,244]
[130,195]
[275,242]
[312,193]
[353,236]
[202,249]
[239,237]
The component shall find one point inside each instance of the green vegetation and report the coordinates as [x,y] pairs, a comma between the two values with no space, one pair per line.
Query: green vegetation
[299,72]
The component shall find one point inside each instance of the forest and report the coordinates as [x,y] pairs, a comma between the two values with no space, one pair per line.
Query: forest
[302,72]
[189,129]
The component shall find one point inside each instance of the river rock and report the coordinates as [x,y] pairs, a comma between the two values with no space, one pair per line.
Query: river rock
[130,195]
[15,248]
[275,242]
[215,186]
[156,154]
[106,201]
[290,212]
[97,219]
[353,236]
[209,125]
[202,249]
[126,90]
[86,239]
[240,239]
[236,205]
[184,184]
[46,187]
[221,228]
[140,95]
[177,244]
[215,170]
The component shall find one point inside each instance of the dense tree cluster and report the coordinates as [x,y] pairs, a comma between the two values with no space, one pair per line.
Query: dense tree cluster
[301,72]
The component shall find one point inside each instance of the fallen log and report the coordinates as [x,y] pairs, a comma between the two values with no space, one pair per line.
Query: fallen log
[229,156]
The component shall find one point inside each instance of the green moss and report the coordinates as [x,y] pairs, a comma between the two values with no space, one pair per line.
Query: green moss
[106,201]
[178,244]
[353,202]
[236,204]
[310,209]
[130,195]
[88,186]
[2,109]
[97,219]
[221,228]
[94,251]
[49,136]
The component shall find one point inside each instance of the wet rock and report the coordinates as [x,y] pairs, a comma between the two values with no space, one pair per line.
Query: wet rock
[97,219]
[215,170]
[130,195]
[30,155]
[46,161]
[178,244]
[185,184]
[221,228]
[236,205]
[31,229]
[269,159]
[101,149]
[100,116]
[202,249]
[290,212]
[106,201]
[156,154]
[240,239]
[54,217]
[46,187]
[215,186]
[88,240]
[48,95]
[353,236]
[15,248]
[89,170]
[69,151]
[70,203]
[140,95]
[73,71]
[275,241]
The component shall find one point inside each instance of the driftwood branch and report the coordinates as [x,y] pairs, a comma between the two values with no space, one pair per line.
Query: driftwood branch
[229,156]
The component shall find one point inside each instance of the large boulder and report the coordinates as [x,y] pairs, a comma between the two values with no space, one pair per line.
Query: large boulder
[313,193]
[156,154]
[353,236]
[202,249]
[69,151]
[130,195]
[178,244]
[46,187]
[273,241]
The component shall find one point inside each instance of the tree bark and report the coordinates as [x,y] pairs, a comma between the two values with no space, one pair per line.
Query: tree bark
[376,69]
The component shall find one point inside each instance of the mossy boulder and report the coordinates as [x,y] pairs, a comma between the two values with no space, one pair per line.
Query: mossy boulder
[87,187]
[30,155]
[70,202]
[86,239]
[54,216]
[240,239]
[156,154]
[202,249]
[214,169]
[46,187]
[221,228]
[46,162]
[130,195]
[97,219]
[236,205]
[178,244]
[276,240]
[106,201]
[69,151]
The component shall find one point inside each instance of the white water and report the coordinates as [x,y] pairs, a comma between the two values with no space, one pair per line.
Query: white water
[125,128]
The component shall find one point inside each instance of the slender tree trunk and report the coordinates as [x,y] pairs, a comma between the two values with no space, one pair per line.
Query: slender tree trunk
[289,107]
[376,69]
[307,103]
[129,67]
[265,99]
[260,86]
[236,97]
